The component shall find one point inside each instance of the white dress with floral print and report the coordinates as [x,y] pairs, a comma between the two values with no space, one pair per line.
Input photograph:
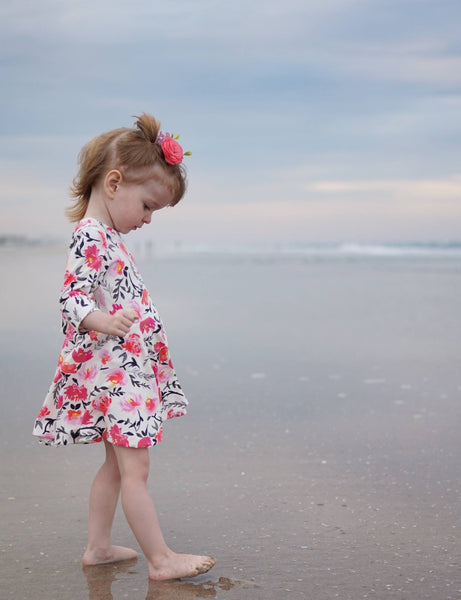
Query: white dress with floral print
[120,389]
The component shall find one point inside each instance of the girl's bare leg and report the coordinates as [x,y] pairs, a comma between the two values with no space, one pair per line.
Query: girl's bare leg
[103,502]
[140,513]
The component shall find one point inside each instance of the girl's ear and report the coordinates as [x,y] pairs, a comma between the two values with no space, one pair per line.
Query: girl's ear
[111,182]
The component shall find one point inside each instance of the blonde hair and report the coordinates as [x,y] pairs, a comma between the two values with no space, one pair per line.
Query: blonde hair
[130,150]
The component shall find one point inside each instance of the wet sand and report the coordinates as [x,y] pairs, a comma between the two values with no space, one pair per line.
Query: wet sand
[320,455]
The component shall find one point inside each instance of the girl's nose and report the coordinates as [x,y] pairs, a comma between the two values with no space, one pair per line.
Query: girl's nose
[147,218]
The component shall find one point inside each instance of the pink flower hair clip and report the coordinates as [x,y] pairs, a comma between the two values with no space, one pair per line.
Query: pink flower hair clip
[171,148]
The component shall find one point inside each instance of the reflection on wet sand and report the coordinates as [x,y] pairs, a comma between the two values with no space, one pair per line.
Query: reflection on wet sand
[100,578]
[183,589]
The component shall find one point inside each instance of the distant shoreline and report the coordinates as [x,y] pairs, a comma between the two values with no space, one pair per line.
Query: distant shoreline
[287,250]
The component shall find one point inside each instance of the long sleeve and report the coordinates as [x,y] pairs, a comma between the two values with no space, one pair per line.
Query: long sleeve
[86,263]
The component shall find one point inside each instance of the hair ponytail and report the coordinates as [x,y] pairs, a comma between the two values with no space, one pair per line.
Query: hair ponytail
[148,126]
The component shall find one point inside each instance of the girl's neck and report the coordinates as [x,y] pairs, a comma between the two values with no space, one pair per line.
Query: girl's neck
[97,209]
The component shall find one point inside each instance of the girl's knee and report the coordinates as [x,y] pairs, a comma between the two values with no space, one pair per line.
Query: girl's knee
[133,463]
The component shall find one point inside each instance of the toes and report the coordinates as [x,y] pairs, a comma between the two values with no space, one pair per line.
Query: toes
[207,564]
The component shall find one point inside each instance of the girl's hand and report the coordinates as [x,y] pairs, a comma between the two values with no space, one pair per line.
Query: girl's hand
[121,322]
[118,324]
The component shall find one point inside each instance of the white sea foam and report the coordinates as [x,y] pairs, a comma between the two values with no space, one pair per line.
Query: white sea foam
[315,251]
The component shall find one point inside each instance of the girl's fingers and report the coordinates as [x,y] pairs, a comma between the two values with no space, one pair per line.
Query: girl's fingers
[131,315]
[123,320]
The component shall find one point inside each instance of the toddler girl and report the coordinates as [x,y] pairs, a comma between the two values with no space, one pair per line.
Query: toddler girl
[115,381]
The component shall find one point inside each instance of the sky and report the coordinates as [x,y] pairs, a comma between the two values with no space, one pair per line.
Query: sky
[308,120]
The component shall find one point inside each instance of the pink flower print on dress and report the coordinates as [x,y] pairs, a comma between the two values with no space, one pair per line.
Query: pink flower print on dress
[162,350]
[66,366]
[94,336]
[69,278]
[123,249]
[145,297]
[174,413]
[102,404]
[151,404]
[116,377]
[162,376]
[159,435]
[74,293]
[58,375]
[93,259]
[76,392]
[60,402]
[81,356]
[105,356]
[144,442]
[89,373]
[74,416]
[147,324]
[132,344]
[134,305]
[131,404]
[116,268]
[115,308]
[69,332]
[87,418]
[119,439]
[43,412]
[103,239]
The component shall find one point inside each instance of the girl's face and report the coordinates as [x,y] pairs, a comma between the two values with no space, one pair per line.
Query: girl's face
[132,204]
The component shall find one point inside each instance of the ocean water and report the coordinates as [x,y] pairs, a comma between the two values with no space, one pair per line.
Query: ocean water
[317,250]
[271,249]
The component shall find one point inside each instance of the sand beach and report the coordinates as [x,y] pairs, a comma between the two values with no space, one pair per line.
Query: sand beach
[320,455]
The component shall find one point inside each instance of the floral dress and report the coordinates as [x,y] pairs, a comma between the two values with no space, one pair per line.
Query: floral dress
[120,389]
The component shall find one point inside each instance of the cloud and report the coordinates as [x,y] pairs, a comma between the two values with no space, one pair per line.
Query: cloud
[327,104]
[418,61]
[437,190]
[203,21]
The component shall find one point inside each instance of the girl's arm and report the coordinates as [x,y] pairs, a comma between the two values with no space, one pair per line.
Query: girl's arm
[87,262]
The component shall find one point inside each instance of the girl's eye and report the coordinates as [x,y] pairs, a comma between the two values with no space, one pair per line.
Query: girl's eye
[146,207]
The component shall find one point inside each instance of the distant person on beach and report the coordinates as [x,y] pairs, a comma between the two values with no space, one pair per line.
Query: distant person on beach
[115,382]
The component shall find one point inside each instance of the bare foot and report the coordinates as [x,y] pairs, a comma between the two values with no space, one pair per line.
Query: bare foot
[175,566]
[101,556]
